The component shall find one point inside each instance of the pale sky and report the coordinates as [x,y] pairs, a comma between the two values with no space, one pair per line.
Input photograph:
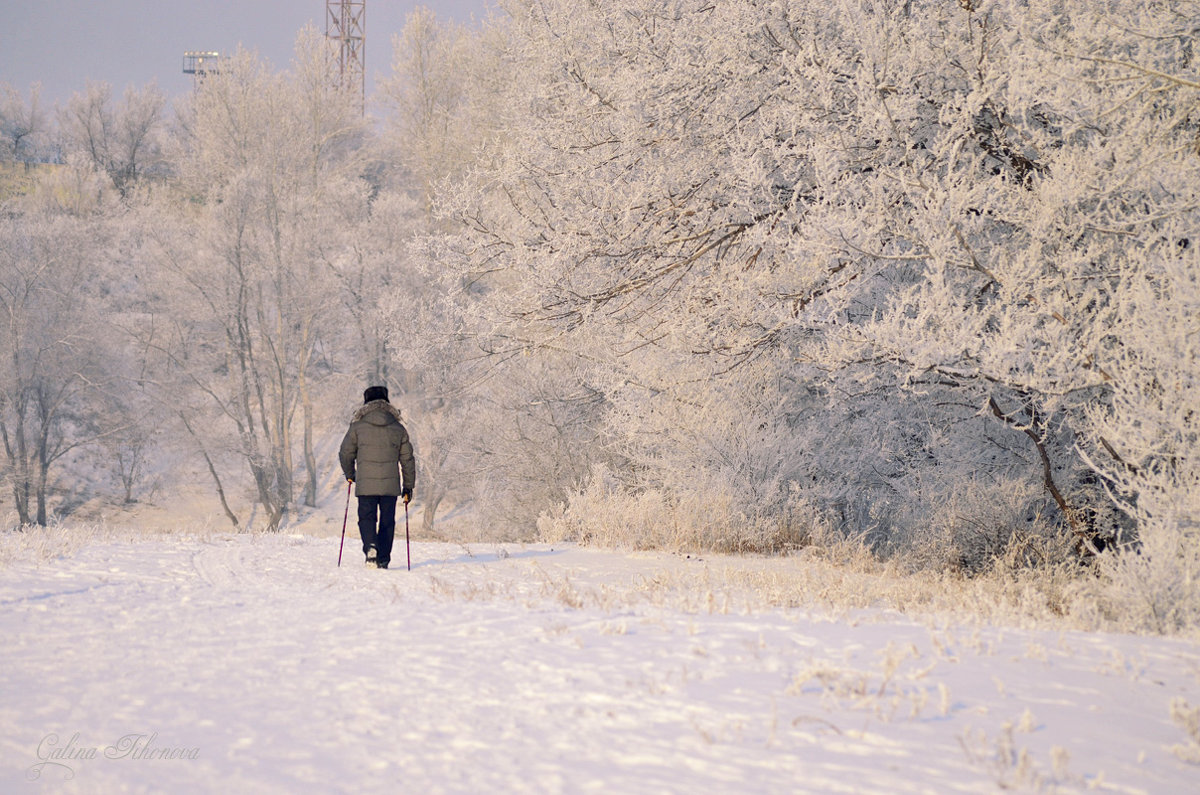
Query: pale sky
[64,43]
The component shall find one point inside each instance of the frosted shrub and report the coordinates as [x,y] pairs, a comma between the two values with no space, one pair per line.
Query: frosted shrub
[39,543]
[709,517]
[1187,718]
[607,514]
[972,525]
[1153,586]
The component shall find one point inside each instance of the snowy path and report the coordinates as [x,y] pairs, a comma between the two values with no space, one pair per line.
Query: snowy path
[539,670]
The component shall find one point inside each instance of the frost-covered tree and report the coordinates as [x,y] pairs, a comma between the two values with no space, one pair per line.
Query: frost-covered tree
[54,364]
[123,140]
[423,97]
[447,102]
[444,100]
[1146,440]
[909,222]
[247,302]
[24,128]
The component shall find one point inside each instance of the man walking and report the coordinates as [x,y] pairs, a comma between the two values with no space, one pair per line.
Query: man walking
[374,454]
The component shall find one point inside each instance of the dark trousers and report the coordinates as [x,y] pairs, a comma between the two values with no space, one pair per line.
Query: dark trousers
[383,508]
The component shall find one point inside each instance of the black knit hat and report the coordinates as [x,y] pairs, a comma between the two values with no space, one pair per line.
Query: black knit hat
[375,393]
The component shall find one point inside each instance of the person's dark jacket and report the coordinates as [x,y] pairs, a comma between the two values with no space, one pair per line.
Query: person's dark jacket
[376,449]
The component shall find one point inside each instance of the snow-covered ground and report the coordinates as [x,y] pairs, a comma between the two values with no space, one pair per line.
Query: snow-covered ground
[260,666]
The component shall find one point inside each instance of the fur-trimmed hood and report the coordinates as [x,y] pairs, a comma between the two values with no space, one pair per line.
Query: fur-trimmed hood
[386,410]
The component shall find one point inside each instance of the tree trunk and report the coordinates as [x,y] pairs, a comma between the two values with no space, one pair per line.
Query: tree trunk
[19,467]
[1070,514]
[212,470]
[42,518]
[21,501]
[310,459]
[431,506]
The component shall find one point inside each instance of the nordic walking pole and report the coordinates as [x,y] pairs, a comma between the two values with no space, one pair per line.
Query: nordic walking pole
[407,547]
[349,483]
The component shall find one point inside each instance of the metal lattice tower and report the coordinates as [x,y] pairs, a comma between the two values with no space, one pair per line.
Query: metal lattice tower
[345,27]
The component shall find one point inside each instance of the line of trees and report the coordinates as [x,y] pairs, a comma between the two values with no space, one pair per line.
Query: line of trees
[741,275]
[193,281]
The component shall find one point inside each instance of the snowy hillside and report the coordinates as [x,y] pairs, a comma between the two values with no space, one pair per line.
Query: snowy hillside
[260,666]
